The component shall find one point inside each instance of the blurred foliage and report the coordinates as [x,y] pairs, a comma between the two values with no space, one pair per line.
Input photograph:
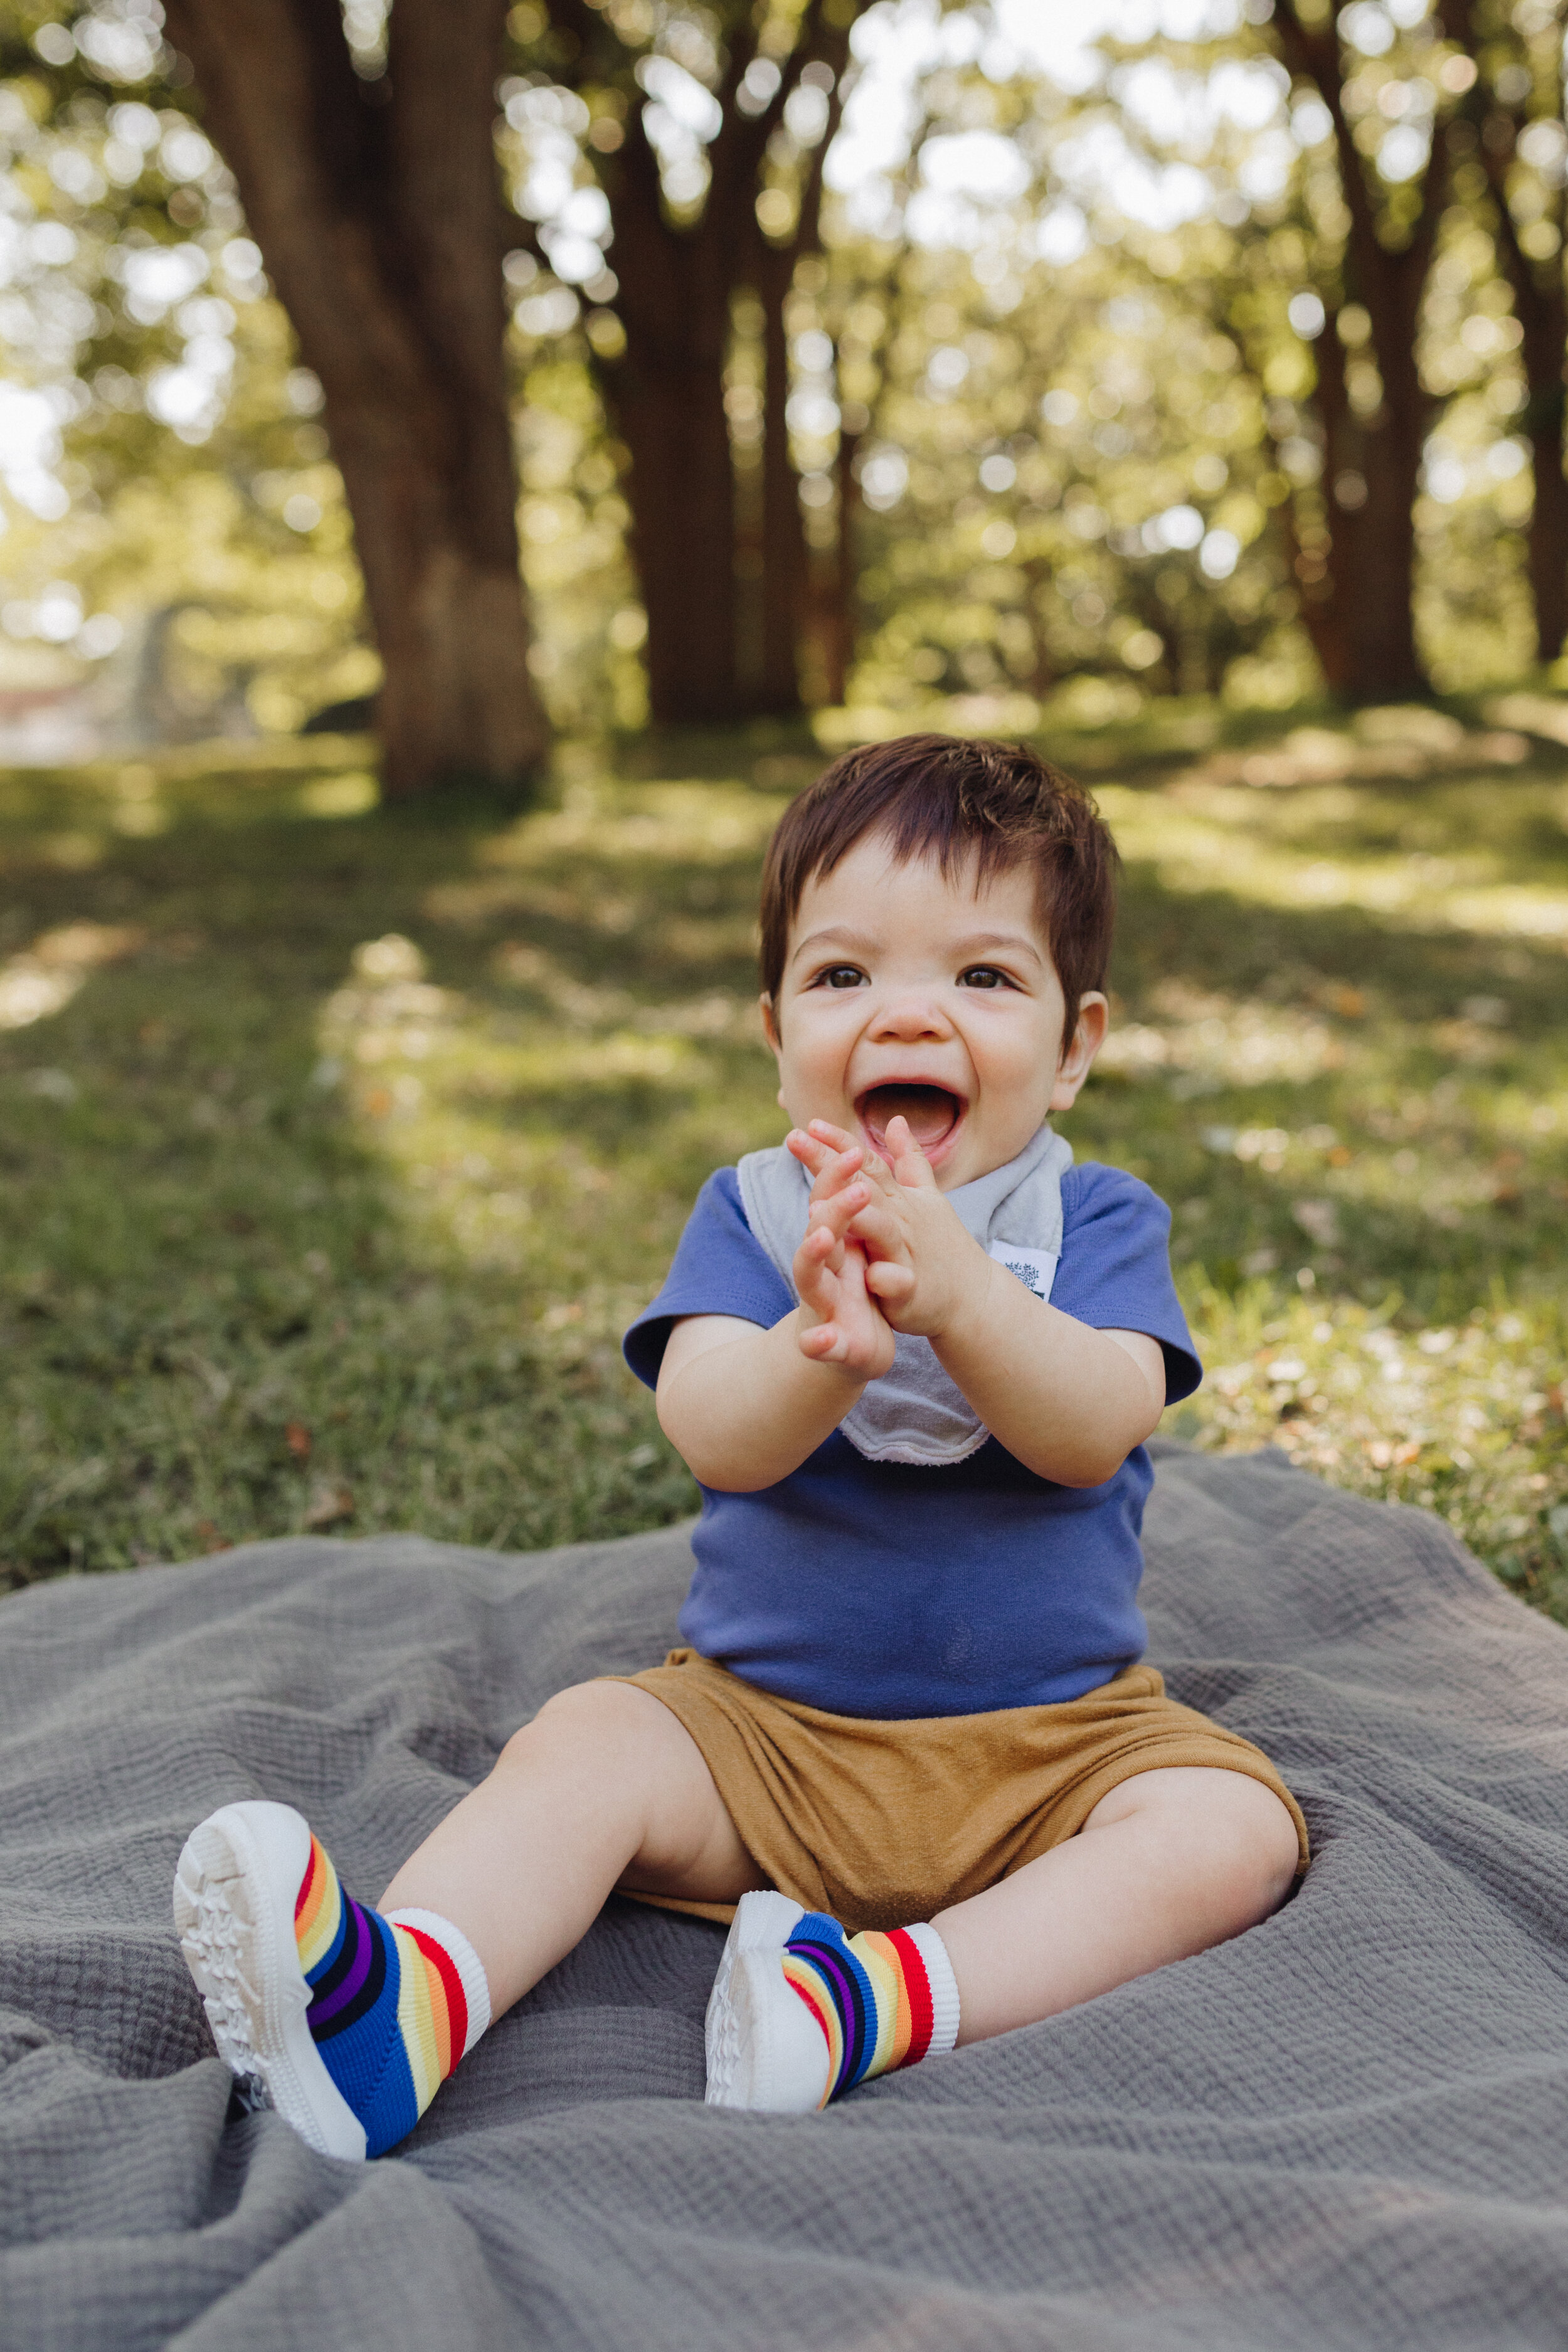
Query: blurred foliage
[1064,323]
[343,1145]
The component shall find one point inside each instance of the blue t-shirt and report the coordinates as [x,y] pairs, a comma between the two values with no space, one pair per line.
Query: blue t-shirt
[881,1589]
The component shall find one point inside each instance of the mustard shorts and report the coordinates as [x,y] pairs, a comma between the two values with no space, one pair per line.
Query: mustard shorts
[882,1822]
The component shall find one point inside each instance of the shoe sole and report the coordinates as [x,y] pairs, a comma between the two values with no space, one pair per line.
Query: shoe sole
[765,2051]
[233,1913]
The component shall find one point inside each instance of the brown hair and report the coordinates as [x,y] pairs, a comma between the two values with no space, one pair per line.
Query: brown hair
[939,795]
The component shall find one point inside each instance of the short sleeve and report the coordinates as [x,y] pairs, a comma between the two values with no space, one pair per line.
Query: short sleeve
[719,1269]
[1115,1269]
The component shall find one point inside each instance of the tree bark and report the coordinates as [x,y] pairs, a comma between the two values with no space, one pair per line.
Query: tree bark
[785,553]
[378,217]
[792,602]
[1541,306]
[1365,623]
[839,629]
[1325,613]
[677,280]
[666,396]
[1548,541]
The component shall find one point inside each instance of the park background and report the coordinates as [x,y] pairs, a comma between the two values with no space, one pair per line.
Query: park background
[465,469]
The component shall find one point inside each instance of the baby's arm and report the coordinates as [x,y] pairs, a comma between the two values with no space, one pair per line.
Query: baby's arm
[743,1407]
[1069,1401]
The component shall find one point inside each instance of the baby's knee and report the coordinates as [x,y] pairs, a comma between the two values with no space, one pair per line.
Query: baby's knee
[596,1717]
[1257,1851]
[1223,1842]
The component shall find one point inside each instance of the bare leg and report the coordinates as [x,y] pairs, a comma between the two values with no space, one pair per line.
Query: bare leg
[1167,1865]
[606,1787]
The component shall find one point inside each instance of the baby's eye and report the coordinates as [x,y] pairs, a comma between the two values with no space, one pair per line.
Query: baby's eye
[984,975]
[840,975]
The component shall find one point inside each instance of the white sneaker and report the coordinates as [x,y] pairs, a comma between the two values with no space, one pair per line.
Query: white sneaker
[235,1891]
[765,2049]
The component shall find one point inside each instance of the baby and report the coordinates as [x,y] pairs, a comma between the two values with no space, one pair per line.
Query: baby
[911,1357]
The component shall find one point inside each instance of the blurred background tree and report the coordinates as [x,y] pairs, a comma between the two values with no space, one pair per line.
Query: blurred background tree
[855,355]
[1151,376]
[374,199]
[1513,126]
[706,144]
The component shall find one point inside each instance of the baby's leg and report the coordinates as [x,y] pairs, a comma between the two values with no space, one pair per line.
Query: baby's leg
[349,2017]
[1168,1863]
[606,1787]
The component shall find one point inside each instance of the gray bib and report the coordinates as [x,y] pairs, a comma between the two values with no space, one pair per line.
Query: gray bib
[915,1413]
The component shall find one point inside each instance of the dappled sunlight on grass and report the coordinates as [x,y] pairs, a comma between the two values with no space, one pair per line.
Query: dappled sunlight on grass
[1274,851]
[579,1071]
[340,1177]
[1466,1420]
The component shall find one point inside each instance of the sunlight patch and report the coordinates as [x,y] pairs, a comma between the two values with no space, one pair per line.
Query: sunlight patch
[43,980]
[1212,1041]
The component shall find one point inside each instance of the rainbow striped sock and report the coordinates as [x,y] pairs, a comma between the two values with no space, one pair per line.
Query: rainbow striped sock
[395,2000]
[882,2001]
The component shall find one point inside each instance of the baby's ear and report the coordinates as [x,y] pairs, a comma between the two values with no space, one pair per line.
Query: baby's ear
[1078,1053]
[770,1022]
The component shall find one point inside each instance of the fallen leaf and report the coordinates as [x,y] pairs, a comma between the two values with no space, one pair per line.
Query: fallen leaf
[208,1534]
[296,1437]
[331,1502]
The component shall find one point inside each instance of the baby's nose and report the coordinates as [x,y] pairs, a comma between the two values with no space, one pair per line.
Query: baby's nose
[913,1014]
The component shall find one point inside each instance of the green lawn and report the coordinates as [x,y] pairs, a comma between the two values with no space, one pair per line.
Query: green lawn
[339,1148]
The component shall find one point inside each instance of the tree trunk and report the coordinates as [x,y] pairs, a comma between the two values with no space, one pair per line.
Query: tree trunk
[377,213]
[1364,625]
[1325,590]
[666,398]
[784,578]
[838,629]
[1382,664]
[670,410]
[1540,305]
[677,279]
[1549,521]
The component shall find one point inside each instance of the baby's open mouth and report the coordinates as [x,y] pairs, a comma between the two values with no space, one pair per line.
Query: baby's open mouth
[932,1113]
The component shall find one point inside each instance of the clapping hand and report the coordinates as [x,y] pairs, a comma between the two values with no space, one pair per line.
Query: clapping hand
[841,1323]
[921,1267]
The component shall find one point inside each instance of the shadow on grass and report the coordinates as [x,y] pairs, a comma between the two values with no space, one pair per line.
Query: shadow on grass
[307,1247]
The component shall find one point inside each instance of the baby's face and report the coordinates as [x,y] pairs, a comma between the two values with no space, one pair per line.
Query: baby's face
[908,992]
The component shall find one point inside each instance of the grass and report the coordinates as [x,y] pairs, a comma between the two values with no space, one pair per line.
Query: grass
[339,1147]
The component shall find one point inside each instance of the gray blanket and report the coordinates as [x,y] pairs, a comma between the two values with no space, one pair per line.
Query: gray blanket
[1348,2128]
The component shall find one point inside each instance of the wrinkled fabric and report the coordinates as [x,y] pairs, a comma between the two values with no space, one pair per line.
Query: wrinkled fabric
[879,1822]
[1348,2127]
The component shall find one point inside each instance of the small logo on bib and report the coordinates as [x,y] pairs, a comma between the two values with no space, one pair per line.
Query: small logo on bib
[1035,1269]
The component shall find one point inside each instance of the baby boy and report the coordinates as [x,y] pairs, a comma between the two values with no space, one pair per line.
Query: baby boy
[911,1356]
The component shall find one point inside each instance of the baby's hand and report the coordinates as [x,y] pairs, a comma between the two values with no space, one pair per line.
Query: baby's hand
[922,1266]
[840,1322]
